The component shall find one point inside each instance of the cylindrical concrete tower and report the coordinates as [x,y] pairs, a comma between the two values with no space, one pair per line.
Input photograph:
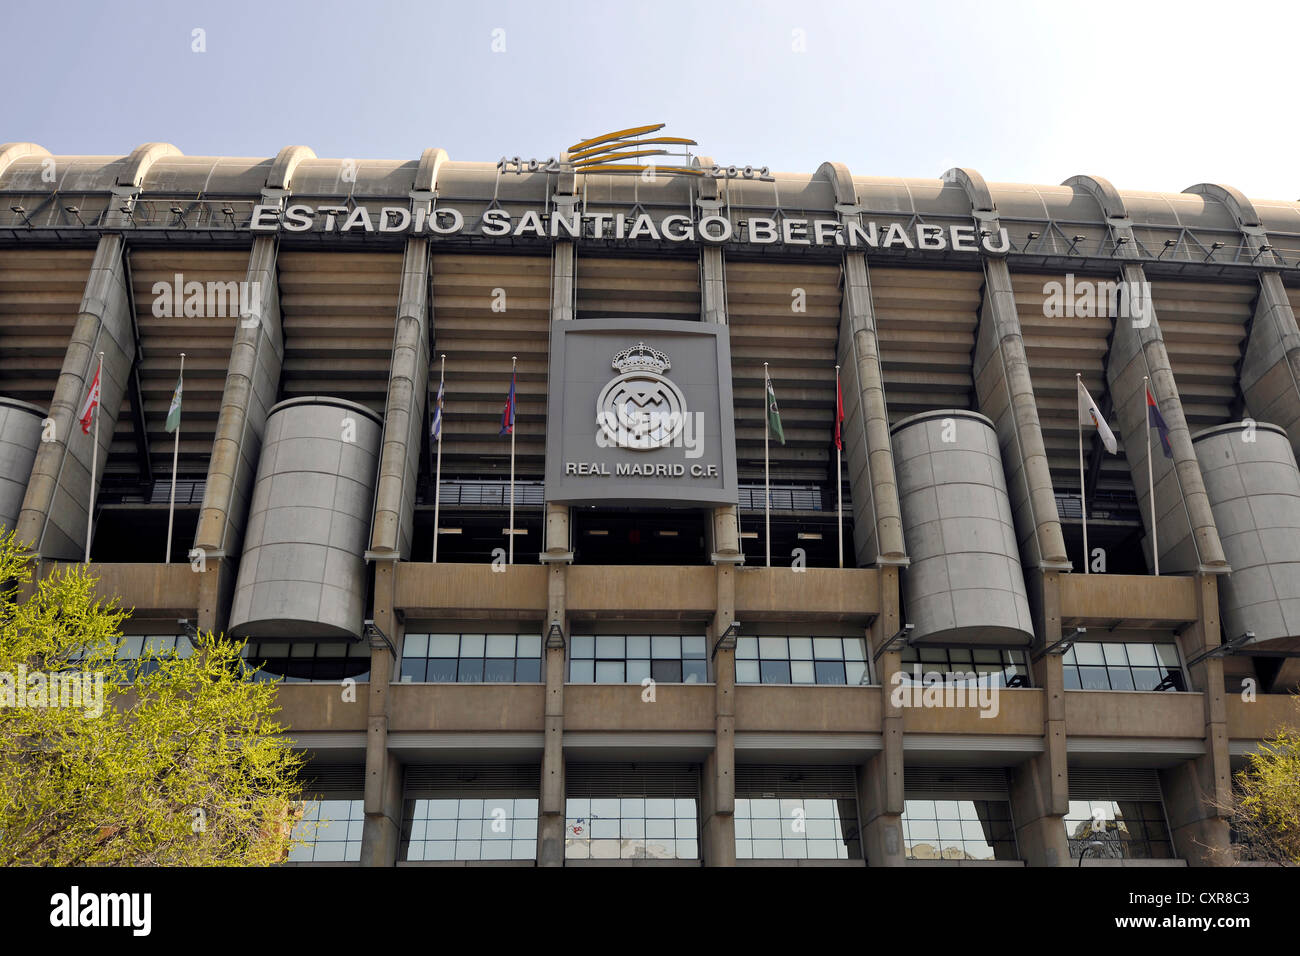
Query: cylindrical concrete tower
[303,570]
[965,584]
[20,437]
[1254,487]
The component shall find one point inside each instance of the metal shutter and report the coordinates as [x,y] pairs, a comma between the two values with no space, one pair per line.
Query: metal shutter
[472,780]
[1087,783]
[968,783]
[343,782]
[796,781]
[632,780]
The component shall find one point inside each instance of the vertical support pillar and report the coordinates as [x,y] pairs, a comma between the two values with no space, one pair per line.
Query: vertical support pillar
[381,831]
[880,780]
[1040,795]
[718,780]
[556,556]
[1197,791]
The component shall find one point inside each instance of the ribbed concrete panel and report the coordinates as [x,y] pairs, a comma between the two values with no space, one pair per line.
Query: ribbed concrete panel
[303,571]
[965,583]
[20,436]
[788,316]
[1188,539]
[480,328]
[200,323]
[926,320]
[1204,328]
[53,517]
[1254,488]
[338,311]
[40,294]
[637,288]
[1270,375]
[1057,347]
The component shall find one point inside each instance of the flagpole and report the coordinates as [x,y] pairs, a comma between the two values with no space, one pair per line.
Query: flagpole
[767,475]
[1151,481]
[437,480]
[1083,490]
[514,403]
[839,484]
[176,450]
[94,458]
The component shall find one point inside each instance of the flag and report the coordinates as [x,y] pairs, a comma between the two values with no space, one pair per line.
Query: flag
[91,403]
[436,433]
[1090,414]
[174,412]
[773,414]
[839,414]
[1156,420]
[508,413]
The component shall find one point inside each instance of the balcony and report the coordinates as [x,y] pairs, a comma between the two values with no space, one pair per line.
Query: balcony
[514,591]
[153,590]
[1135,601]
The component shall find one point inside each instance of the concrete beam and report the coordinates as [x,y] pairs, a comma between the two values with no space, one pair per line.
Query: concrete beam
[10,153]
[1006,395]
[881,779]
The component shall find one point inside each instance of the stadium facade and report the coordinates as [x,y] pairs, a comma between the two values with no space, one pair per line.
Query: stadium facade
[622,678]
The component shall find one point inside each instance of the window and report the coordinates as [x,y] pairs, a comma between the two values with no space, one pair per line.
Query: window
[956,829]
[801,660]
[470,828]
[1128,665]
[306,661]
[631,828]
[1005,666]
[145,648]
[630,659]
[332,829]
[472,658]
[1118,829]
[796,828]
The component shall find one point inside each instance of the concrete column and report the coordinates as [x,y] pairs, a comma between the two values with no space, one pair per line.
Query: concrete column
[881,779]
[1189,540]
[1040,793]
[1270,372]
[877,521]
[408,389]
[1006,395]
[557,556]
[52,521]
[718,780]
[381,833]
[1197,792]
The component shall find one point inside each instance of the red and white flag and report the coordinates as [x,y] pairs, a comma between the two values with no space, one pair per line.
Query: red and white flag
[91,403]
[839,412]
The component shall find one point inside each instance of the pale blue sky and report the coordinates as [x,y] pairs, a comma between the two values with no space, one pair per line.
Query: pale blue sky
[1152,95]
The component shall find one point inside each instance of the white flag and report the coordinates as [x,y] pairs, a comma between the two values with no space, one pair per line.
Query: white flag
[1090,414]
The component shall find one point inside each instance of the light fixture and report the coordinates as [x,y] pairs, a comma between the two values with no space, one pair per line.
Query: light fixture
[516,531]
[666,534]
[1223,650]
[598,532]
[1092,845]
[1060,647]
[727,639]
[903,635]
[749,534]
[555,637]
[189,629]
[377,638]
[449,531]
[809,536]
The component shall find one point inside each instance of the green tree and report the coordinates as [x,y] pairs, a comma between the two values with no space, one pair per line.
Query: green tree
[1265,810]
[162,761]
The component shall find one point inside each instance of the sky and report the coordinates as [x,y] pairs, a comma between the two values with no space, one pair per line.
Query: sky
[1152,95]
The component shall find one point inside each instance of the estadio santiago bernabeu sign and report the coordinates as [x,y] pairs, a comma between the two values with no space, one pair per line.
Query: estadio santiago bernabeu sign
[640,411]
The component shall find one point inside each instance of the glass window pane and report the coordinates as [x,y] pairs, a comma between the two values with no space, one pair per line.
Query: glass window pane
[415,645]
[528,670]
[694,647]
[500,645]
[498,671]
[666,672]
[802,672]
[1168,654]
[530,645]
[828,648]
[775,672]
[470,671]
[747,672]
[1089,653]
[1142,655]
[772,648]
[830,672]
[1120,678]
[583,645]
[444,645]
[442,670]
[1114,653]
[472,645]
[582,672]
[801,649]
[746,648]
[666,646]
[609,672]
[413,669]
[1093,678]
[609,647]
[638,645]
[637,671]
[695,672]
[855,671]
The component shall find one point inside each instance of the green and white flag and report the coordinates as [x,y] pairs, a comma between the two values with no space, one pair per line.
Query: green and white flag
[174,413]
[774,414]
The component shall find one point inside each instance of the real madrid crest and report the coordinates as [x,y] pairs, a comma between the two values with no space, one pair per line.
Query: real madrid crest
[641,408]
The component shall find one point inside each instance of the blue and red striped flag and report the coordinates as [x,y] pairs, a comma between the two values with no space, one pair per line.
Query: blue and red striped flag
[508,413]
[1156,420]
